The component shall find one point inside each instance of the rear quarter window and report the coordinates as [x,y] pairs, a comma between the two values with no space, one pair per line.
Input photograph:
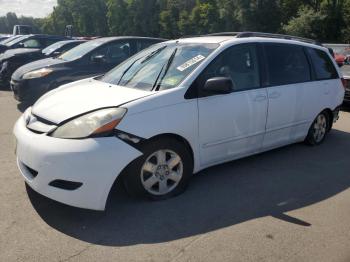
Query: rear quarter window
[323,65]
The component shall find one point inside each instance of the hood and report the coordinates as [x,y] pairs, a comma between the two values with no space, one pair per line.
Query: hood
[17,51]
[48,62]
[81,97]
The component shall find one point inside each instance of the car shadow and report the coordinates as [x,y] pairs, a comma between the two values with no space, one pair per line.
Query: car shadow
[268,184]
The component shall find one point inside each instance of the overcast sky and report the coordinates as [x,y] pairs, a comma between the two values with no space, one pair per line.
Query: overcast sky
[35,8]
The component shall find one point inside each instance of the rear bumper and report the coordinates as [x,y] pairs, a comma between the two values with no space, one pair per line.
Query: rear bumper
[347,90]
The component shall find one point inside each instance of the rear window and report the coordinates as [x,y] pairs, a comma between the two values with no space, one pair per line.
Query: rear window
[324,68]
[286,64]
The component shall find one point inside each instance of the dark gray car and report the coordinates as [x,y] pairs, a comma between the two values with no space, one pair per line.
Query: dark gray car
[90,59]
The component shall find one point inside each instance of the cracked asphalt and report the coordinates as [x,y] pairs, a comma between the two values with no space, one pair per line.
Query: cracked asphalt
[290,204]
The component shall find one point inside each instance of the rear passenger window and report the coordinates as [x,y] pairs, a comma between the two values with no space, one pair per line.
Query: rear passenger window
[324,68]
[286,64]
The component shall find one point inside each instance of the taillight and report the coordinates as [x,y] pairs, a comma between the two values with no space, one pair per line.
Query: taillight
[344,82]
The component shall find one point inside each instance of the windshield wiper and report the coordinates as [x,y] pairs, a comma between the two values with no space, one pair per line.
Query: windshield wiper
[147,58]
[155,52]
[156,85]
[126,70]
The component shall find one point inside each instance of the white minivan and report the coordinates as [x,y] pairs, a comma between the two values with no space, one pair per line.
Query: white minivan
[174,109]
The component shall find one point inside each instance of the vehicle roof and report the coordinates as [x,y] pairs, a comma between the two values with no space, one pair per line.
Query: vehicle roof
[232,39]
[71,41]
[113,38]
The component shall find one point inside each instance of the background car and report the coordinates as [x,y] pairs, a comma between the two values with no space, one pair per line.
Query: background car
[12,59]
[341,52]
[92,58]
[31,41]
[6,40]
[3,37]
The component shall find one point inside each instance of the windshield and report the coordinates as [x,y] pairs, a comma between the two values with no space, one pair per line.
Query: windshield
[162,66]
[80,50]
[17,40]
[6,40]
[52,48]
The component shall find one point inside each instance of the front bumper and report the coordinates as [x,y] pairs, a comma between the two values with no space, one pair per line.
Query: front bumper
[28,90]
[96,163]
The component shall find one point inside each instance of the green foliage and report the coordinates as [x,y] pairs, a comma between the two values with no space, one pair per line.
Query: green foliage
[325,20]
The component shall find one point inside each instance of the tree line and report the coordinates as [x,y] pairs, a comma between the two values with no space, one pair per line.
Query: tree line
[324,20]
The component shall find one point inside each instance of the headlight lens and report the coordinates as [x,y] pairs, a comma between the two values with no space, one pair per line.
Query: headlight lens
[37,73]
[98,123]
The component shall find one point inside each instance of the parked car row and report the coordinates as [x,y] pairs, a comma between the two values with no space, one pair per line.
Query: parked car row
[168,111]
[12,59]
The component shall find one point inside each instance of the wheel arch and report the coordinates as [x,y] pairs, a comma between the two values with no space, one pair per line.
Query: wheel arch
[329,112]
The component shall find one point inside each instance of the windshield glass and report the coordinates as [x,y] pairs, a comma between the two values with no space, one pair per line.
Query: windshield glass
[17,40]
[162,66]
[52,48]
[80,50]
[6,40]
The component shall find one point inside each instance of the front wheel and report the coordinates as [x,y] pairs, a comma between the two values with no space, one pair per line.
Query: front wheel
[163,171]
[318,129]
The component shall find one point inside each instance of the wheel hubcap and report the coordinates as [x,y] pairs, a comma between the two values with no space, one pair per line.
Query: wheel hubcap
[161,172]
[320,128]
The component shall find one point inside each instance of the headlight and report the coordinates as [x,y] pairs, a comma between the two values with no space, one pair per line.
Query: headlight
[98,123]
[37,73]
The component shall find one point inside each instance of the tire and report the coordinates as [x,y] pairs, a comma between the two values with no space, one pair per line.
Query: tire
[152,177]
[319,129]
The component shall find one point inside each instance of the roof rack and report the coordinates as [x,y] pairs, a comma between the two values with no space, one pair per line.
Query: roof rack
[267,35]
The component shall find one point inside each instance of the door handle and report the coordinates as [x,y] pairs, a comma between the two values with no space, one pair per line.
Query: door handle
[274,95]
[260,98]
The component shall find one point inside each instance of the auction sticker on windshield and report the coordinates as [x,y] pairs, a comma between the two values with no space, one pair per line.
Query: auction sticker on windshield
[191,62]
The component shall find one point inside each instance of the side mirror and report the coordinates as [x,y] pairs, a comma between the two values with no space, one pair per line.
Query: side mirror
[56,53]
[98,59]
[219,85]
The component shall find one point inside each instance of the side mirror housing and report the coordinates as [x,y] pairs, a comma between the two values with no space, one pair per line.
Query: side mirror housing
[56,53]
[98,59]
[219,85]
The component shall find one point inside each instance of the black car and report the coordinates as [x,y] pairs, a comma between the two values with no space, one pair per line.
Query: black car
[30,41]
[12,59]
[90,59]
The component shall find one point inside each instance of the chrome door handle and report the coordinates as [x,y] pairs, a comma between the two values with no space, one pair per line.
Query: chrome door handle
[260,98]
[274,95]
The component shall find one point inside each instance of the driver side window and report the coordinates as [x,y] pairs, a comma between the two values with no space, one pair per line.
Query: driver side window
[31,43]
[239,63]
[100,52]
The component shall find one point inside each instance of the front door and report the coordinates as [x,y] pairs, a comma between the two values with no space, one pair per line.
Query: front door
[232,125]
